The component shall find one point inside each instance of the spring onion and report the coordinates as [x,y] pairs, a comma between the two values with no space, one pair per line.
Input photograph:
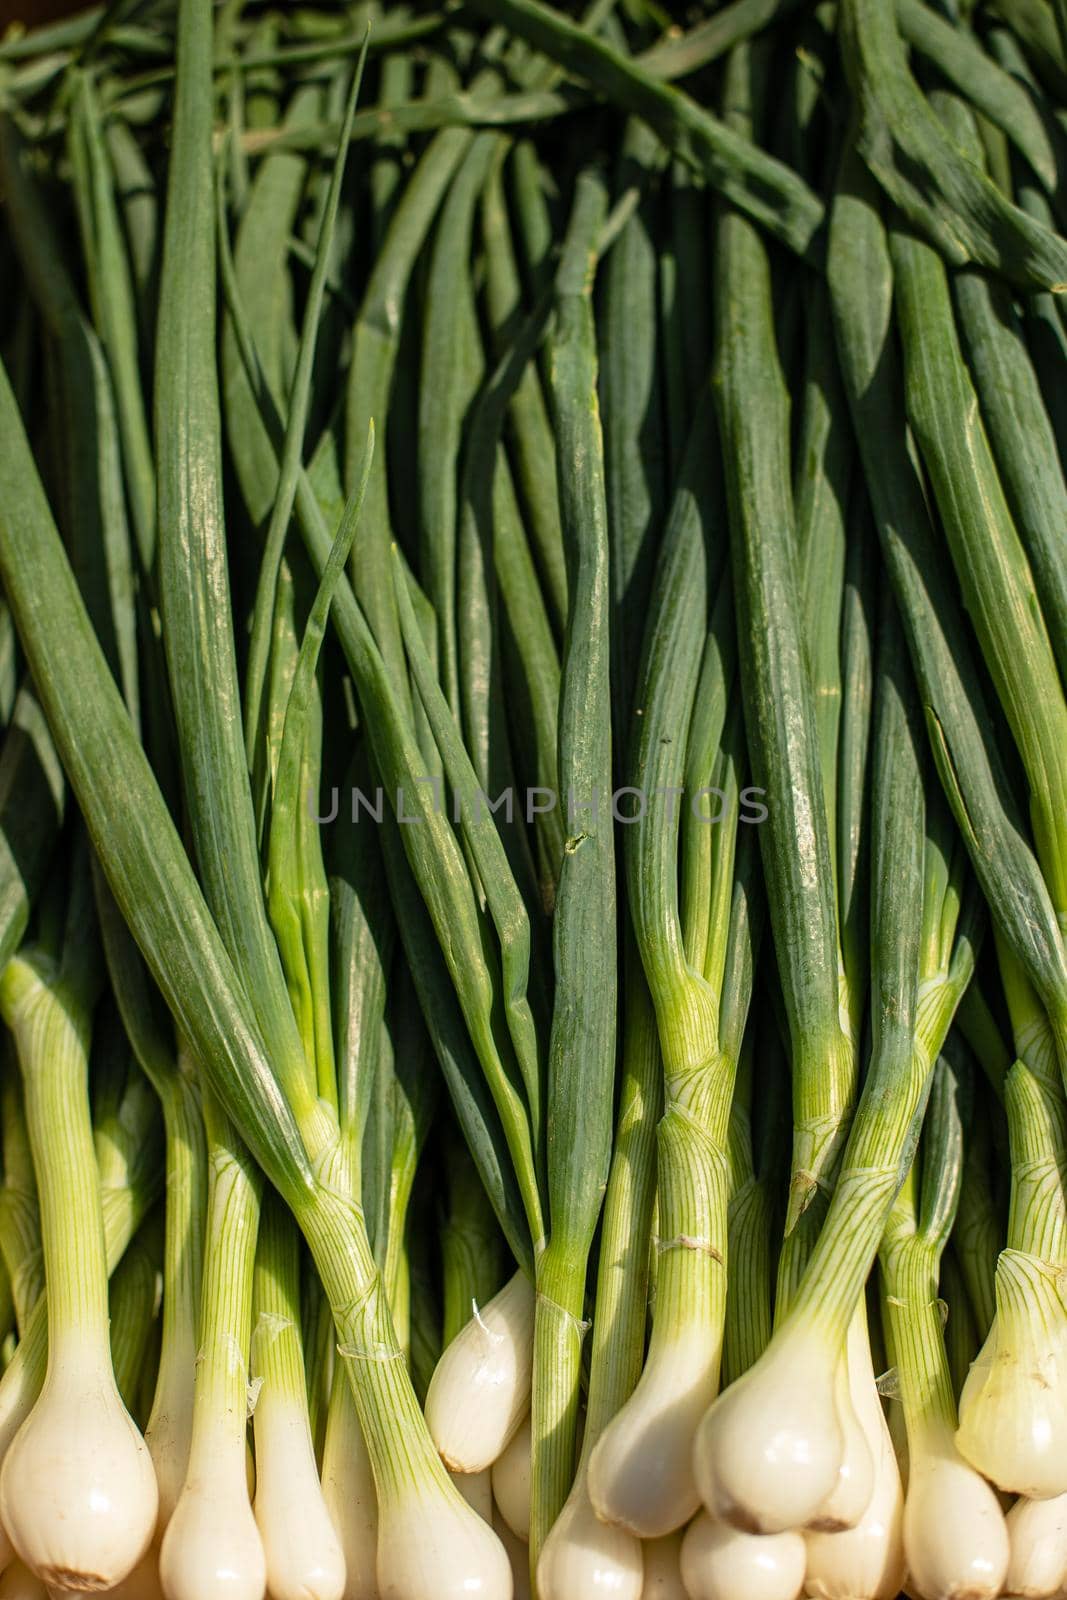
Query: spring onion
[533,883]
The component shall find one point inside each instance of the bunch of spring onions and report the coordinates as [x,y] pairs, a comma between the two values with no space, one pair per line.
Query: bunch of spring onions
[533,801]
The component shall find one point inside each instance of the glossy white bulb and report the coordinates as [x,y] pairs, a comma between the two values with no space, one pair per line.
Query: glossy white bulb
[1037,1533]
[768,1452]
[663,1568]
[955,1536]
[584,1556]
[480,1390]
[211,1549]
[865,1562]
[349,1494]
[77,1490]
[722,1563]
[511,1481]
[1013,1409]
[844,1506]
[641,1470]
[432,1546]
[303,1553]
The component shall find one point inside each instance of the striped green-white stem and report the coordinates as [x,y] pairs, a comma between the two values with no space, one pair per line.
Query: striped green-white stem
[583,1554]
[735,1474]
[1013,1409]
[77,1491]
[304,1559]
[211,1545]
[20,1218]
[649,1442]
[955,1539]
[922,954]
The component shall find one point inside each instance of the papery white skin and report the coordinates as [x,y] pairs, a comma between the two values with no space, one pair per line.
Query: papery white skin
[722,1563]
[955,1536]
[349,1494]
[211,1549]
[865,1562]
[480,1390]
[77,1490]
[432,1546]
[302,1550]
[1013,1409]
[641,1470]
[768,1451]
[663,1568]
[18,1583]
[169,1430]
[1037,1533]
[511,1481]
[477,1489]
[518,1554]
[844,1507]
[587,1557]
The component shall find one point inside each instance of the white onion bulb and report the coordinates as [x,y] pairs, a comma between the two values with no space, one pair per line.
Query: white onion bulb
[480,1390]
[955,1536]
[844,1506]
[432,1546]
[583,1556]
[722,1563]
[511,1482]
[303,1553]
[1013,1409]
[768,1452]
[865,1562]
[1037,1532]
[641,1469]
[77,1490]
[211,1549]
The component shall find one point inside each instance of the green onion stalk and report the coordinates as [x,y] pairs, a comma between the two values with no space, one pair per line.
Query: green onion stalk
[715,1558]
[955,1537]
[1011,1409]
[203,989]
[20,1217]
[689,653]
[958,713]
[211,1541]
[582,1553]
[303,1554]
[581,1053]
[127,1171]
[784,746]
[77,1489]
[922,943]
